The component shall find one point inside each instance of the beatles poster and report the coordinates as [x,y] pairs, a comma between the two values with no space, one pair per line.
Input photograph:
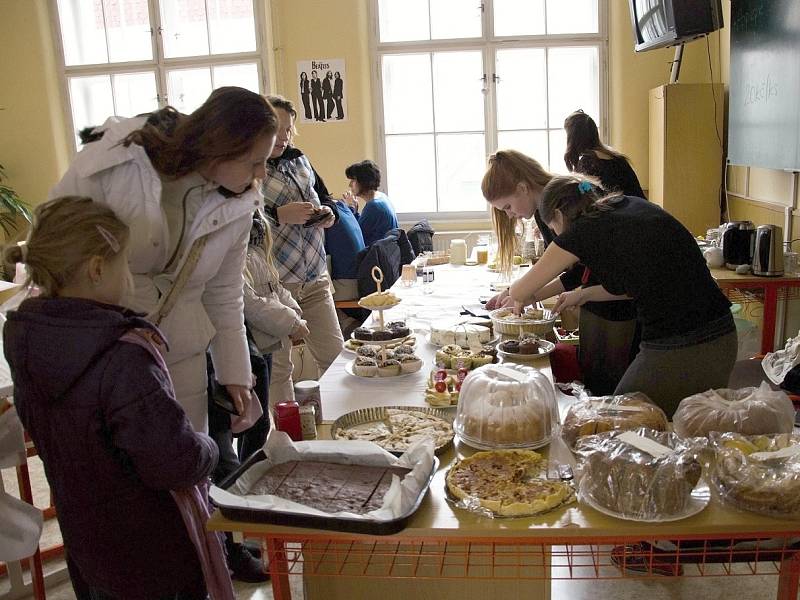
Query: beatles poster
[322,90]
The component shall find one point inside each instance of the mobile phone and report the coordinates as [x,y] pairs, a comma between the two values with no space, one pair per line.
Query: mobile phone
[314,219]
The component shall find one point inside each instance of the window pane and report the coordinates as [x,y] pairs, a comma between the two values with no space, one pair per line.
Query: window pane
[572,16]
[522,90]
[135,93]
[460,162]
[128,27]
[245,76]
[455,19]
[532,143]
[407,101]
[185,31]
[457,85]
[574,82]
[188,88]
[403,20]
[82,32]
[232,26]
[519,17]
[411,175]
[91,100]
[558,145]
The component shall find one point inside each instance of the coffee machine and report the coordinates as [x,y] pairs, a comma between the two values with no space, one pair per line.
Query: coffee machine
[738,243]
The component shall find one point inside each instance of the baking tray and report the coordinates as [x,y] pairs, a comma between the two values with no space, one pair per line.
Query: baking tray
[378,413]
[288,519]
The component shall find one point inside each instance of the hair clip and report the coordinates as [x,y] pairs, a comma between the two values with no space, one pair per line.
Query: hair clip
[23,250]
[109,238]
[584,186]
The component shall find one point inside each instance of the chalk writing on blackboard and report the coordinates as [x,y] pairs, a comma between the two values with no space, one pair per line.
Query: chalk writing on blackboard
[761,92]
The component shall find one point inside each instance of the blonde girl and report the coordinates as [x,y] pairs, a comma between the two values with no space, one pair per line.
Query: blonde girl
[96,398]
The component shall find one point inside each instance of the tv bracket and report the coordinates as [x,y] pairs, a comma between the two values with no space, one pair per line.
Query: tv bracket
[675,71]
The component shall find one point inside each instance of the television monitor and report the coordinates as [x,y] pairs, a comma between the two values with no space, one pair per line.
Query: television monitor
[662,23]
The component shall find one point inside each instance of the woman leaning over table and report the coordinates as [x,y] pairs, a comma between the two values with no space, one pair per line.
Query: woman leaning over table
[173,178]
[640,252]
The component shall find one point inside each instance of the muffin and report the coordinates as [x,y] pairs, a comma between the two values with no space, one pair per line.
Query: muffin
[389,368]
[368,351]
[510,346]
[382,335]
[409,363]
[365,367]
[529,346]
[362,333]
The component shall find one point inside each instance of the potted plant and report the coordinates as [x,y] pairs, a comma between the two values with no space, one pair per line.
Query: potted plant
[11,207]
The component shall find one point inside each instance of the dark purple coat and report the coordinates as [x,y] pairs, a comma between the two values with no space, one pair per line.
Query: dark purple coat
[113,441]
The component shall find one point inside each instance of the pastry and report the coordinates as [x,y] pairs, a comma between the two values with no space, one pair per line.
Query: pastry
[362,333]
[400,429]
[510,406]
[749,411]
[400,331]
[607,413]
[388,368]
[379,300]
[368,351]
[461,334]
[529,346]
[510,346]
[365,367]
[382,335]
[480,359]
[329,487]
[462,360]
[619,473]
[444,356]
[404,349]
[409,363]
[395,324]
[506,482]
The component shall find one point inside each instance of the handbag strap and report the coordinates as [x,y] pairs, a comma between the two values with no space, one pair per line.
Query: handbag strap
[169,299]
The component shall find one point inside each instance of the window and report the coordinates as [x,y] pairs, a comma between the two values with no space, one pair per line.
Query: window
[458,79]
[125,57]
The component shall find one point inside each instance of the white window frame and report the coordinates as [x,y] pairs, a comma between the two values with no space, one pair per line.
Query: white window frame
[159,63]
[488,44]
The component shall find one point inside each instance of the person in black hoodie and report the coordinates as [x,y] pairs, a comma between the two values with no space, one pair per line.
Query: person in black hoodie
[94,394]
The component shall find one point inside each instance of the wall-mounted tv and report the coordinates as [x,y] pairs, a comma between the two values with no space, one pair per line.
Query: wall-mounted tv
[662,23]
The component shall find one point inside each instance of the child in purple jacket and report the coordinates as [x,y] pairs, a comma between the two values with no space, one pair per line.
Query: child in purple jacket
[95,397]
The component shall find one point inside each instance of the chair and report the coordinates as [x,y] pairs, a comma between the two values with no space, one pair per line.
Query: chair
[421,237]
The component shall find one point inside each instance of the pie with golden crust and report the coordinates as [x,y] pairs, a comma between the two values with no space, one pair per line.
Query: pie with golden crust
[506,482]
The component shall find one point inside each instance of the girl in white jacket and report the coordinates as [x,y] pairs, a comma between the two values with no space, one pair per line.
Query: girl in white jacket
[174,178]
[272,314]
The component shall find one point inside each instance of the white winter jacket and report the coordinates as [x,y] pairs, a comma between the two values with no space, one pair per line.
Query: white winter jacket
[210,308]
[269,309]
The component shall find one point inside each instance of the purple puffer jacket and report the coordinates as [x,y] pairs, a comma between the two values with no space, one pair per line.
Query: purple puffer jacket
[113,441]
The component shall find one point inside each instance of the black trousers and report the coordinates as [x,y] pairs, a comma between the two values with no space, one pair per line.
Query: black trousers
[307,105]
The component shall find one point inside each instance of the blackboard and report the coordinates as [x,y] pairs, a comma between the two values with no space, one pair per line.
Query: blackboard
[764,102]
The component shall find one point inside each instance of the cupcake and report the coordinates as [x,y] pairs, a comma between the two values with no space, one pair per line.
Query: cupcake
[388,368]
[529,346]
[365,367]
[409,363]
[510,346]
[382,335]
[368,351]
[404,349]
[362,333]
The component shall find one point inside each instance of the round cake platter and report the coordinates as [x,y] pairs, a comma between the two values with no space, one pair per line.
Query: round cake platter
[700,497]
[547,348]
[379,308]
[348,367]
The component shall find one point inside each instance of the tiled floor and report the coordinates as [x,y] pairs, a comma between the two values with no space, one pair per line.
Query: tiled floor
[706,588]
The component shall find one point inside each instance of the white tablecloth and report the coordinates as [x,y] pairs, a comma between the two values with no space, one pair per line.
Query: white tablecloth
[453,287]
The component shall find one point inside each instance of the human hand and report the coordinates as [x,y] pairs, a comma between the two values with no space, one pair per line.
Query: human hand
[567,299]
[519,307]
[498,300]
[300,331]
[240,394]
[350,199]
[295,213]
[327,221]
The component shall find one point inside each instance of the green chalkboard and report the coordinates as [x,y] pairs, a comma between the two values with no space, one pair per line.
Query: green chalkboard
[764,107]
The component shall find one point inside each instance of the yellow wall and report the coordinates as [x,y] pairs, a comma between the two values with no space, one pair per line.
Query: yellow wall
[33,144]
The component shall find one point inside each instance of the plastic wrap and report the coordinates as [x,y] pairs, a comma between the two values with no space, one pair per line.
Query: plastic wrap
[642,475]
[749,411]
[592,415]
[758,473]
[506,406]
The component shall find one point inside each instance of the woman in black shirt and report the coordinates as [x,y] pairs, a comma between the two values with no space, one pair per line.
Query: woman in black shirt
[638,251]
[610,333]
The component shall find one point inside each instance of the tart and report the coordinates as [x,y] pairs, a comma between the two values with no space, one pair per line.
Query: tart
[400,429]
[506,482]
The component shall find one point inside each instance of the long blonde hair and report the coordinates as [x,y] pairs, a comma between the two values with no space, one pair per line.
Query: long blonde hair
[507,169]
[266,246]
[67,232]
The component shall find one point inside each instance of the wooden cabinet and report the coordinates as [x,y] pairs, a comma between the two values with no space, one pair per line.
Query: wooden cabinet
[685,153]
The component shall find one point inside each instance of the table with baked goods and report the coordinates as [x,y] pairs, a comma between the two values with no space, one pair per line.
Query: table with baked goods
[448,552]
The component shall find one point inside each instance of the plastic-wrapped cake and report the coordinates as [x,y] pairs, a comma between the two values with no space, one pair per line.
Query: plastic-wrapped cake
[464,334]
[505,406]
